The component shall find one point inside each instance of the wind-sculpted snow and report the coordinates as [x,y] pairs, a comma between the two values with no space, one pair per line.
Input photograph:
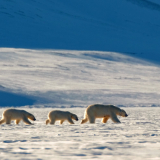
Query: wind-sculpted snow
[64,78]
[125,26]
[137,137]
[151,4]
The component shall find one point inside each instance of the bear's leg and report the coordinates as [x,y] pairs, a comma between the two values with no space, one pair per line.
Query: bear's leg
[70,121]
[91,119]
[25,120]
[17,121]
[47,121]
[52,121]
[61,121]
[84,120]
[2,121]
[8,121]
[114,118]
[105,119]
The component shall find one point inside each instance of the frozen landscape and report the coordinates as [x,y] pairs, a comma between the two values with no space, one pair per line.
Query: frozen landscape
[69,54]
[65,79]
[42,80]
[137,137]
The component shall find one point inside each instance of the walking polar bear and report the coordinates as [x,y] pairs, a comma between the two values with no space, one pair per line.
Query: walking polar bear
[17,115]
[103,111]
[61,116]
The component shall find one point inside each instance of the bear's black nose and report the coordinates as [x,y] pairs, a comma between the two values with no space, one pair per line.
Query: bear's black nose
[34,119]
[76,119]
[126,115]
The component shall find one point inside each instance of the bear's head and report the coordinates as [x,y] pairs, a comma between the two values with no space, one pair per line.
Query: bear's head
[123,113]
[73,116]
[31,117]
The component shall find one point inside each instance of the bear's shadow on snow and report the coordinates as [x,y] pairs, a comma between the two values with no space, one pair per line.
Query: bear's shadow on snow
[14,100]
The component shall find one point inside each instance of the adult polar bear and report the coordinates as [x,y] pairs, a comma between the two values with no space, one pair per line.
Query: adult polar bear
[103,111]
[61,116]
[17,115]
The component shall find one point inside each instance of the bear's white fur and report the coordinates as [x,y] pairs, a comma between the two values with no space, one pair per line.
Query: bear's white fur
[103,111]
[17,115]
[61,116]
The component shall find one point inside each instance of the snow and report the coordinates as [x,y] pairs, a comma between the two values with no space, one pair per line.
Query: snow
[65,78]
[42,80]
[127,26]
[137,137]
[69,54]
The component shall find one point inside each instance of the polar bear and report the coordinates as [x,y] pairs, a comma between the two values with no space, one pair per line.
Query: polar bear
[17,115]
[57,115]
[103,111]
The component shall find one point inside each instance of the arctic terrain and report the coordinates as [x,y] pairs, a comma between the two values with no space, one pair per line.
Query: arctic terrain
[128,26]
[67,55]
[42,80]
[68,78]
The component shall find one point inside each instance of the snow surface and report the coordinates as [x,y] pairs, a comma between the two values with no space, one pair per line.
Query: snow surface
[41,80]
[130,26]
[74,53]
[137,137]
[64,78]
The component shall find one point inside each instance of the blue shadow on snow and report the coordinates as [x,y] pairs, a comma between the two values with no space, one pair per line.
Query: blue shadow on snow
[14,100]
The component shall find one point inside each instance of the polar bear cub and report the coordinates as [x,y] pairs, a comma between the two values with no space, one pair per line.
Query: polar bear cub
[103,111]
[57,115]
[17,115]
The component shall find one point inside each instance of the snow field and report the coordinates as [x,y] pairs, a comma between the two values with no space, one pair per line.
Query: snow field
[137,137]
[42,79]
[65,78]
[128,26]
[71,80]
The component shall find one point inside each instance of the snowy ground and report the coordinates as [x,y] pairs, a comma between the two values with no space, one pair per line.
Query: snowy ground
[126,74]
[65,78]
[137,137]
[41,80]
[130,26]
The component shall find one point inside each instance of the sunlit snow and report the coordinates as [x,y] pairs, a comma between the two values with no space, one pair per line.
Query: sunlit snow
[137,137]
[66,78]
[69,54]
[41,80]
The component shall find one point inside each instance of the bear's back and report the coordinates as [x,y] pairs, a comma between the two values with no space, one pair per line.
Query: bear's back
[59,115]
[13,113]
[100,110]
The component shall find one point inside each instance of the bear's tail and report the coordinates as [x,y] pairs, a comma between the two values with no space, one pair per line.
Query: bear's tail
[47,121]
[2,121]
